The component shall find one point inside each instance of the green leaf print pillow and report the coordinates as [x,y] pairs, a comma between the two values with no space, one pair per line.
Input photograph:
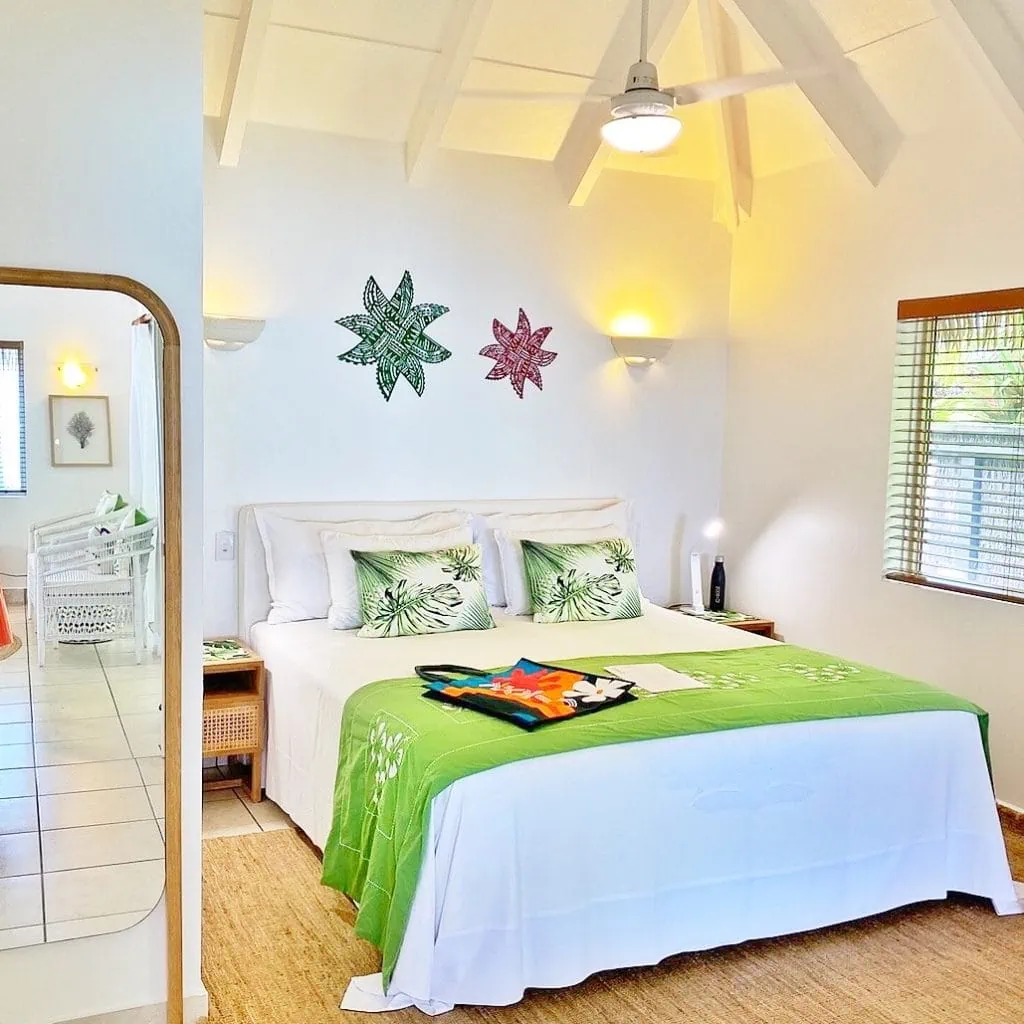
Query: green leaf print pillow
[582,582]
[408,593]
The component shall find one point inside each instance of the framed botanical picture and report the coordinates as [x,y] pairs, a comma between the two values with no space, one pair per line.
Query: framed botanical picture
[79,430]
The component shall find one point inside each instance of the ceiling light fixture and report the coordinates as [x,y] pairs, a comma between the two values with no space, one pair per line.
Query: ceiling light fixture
[642,120]
[641,133]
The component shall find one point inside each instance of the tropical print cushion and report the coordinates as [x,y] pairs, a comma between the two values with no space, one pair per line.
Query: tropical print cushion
[582,582]
[408,593]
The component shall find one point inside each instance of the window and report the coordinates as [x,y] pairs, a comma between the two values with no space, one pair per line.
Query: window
[12,417]
[955,517]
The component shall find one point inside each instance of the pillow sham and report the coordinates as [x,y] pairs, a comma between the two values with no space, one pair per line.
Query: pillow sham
[582,582]
[297,569]
[510,554]
[344,611]
[614,516]
[409,593]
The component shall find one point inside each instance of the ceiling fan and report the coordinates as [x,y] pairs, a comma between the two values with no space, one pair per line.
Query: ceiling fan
[641,115]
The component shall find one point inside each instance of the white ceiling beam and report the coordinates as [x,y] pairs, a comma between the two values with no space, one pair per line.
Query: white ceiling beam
[860,129]
[722,53]
[461,33]
[994,44]
[583,154]
[253,22]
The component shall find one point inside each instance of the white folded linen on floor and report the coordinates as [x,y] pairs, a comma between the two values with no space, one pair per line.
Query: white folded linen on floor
[367,995]
[540,873]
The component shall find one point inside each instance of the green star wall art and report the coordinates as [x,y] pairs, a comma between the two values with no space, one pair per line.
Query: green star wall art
[393,335]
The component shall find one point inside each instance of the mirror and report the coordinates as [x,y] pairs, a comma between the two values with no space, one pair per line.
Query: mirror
[84,505]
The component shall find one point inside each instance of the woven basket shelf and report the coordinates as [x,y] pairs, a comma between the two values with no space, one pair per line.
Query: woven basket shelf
[232,727]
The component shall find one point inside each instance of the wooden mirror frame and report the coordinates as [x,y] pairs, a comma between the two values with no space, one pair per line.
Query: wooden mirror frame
[170,414]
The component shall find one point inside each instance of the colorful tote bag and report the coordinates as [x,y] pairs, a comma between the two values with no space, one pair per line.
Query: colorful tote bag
[528,694]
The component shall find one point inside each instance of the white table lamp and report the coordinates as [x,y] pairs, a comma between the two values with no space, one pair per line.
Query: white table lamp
[713,529]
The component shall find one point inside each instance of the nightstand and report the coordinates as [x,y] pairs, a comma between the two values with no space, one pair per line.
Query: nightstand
[233,711]
[737,620]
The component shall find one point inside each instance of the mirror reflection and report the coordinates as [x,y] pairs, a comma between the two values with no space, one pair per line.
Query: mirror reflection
[81,675]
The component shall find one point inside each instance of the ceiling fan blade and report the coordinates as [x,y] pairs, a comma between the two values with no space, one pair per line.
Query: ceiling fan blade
[535,97]
[723,88]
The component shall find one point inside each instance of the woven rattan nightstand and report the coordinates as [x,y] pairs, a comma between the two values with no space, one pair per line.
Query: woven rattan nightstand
[233,711]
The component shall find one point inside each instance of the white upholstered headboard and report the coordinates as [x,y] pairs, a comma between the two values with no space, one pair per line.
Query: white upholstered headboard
[253,586]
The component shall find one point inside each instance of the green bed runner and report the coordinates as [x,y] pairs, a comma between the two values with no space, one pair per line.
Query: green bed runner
[399,750]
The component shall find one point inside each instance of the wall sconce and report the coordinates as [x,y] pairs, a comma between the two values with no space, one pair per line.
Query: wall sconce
[73,374]
[230,333]
[641,351]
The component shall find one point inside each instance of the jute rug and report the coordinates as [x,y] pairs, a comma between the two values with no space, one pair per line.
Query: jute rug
[278,948]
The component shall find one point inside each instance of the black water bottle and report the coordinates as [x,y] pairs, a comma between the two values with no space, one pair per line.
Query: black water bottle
[717,602]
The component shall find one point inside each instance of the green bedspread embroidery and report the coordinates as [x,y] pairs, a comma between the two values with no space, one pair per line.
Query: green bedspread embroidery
[398,751]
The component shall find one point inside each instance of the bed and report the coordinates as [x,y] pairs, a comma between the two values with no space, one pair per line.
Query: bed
[666,846]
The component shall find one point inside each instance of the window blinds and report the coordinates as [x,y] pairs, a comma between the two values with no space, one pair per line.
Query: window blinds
[955,502]
[12,418]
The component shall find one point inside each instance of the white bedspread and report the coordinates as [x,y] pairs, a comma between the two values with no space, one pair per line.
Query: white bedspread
[544,871]
[314,669]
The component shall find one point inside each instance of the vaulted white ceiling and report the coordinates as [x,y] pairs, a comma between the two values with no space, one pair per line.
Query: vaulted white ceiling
[393,70]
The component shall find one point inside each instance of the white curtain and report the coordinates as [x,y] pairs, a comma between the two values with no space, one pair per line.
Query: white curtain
[12,441]
[145,445]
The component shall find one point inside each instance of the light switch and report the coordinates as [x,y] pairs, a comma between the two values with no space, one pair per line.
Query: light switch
[225,549]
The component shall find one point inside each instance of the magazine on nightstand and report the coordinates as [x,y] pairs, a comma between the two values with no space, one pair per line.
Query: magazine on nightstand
[225,650]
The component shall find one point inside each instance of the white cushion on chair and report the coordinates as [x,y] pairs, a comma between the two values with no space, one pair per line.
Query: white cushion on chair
[109,502]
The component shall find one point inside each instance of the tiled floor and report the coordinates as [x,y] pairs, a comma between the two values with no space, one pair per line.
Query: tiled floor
[228,812]
[81,790]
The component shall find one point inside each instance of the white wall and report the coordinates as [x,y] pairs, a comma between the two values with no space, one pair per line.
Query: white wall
[102,171]
[55,325]
[292,234]
[817,274]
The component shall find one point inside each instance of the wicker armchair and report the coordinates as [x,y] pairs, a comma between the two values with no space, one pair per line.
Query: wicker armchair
[60,530]
[92,588]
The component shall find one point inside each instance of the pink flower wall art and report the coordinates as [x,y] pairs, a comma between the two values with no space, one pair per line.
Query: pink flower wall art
[519,355]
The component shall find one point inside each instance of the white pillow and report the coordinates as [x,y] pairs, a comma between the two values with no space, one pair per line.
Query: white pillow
[344,611]
[109,502]
[614,517]
[513,568]
[297,569]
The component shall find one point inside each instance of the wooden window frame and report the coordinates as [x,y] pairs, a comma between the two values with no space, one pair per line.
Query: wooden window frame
[965,304]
